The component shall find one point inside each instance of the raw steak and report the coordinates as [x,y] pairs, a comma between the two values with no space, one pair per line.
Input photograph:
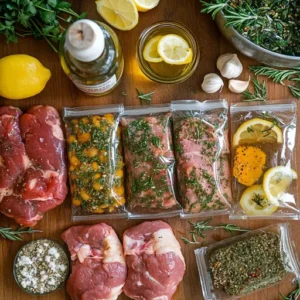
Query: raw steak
[98,265]
[32,163]
[154,260]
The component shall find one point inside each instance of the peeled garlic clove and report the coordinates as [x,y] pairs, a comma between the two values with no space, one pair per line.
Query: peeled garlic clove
[238,86]
[212,83]
[229,66]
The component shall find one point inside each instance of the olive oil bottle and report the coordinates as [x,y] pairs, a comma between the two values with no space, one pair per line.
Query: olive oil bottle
[91,56]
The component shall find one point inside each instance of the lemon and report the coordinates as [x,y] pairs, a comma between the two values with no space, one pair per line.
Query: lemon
[150,51]
[174,50]
[276,182]
[145,5]
[22,76]
[254,202]
[257,130]
[121,14]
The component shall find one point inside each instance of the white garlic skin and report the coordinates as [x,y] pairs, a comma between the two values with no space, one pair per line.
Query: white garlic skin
[238,86]
[212,83]
[229,65]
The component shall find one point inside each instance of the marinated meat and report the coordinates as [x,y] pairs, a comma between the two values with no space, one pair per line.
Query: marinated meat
[32,163]
[98,265]
[149,160]
[202,165]
[154,260]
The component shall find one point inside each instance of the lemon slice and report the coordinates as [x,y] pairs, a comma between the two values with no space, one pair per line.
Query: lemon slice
[122,14]
[150,51]
[257,130]
[145,5]
[254,202]
[276,182]
[174,50]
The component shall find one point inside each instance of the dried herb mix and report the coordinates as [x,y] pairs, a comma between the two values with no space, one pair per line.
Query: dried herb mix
[248,265]
[271,24]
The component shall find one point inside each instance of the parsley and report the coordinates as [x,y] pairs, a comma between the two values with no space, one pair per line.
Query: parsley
[37,18]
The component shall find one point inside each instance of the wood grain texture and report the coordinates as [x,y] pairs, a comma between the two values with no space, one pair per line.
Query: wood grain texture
[61,92]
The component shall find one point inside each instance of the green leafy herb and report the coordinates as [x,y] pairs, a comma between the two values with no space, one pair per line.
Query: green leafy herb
[145,98]
[259,94]
[124,94]
[155,140]
[15,235]
[258,199]
[295,90]
[294,295]
[37,18]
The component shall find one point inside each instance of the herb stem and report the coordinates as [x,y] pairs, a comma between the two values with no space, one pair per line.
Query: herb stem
[15,235]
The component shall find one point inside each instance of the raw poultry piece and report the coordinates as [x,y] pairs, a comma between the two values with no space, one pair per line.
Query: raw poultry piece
[202,165]
[154,260]
[32,163]
[98,265]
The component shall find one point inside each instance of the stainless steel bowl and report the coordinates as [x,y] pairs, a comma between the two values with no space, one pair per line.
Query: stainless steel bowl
[252,50]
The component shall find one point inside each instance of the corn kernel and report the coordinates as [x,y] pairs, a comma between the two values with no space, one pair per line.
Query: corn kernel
[97,176]
[119,173]
[96,121]
[95,166]
[84,195]
[92,152]
[74,161]
[76,202]
[84,137]
[71,139]
[85,120]
[99,210]
[110,118]
[97,186]
[119,190]
[104,206]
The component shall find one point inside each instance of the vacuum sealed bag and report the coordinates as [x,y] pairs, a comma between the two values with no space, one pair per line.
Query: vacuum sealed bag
[264,172]
[238,266]
[149,161]
[202,157]
[95,162]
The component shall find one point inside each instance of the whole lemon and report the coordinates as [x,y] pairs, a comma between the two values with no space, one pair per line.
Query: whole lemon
[22,76]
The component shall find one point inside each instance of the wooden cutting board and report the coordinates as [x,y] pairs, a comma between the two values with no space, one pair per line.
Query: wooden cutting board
[60,92]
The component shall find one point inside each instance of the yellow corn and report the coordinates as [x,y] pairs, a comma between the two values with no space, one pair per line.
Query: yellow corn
[97,186]
[92,152]
[110,118]
[119,190]
[84,137]
[85,120]
[99,210]
[76,202]
[84,195]
[97,176]
[71,139]
[96,121]
[95,166]
[119,173]
[74,161]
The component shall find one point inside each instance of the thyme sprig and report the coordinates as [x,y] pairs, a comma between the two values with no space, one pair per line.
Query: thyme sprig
[16,235]
[294,295]
[200,228]
[145,98]
[259,94]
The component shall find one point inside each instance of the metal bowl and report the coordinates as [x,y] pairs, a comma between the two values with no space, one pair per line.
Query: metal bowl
[252,50]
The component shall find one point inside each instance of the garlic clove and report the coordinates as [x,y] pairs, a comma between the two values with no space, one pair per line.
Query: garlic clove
[229,65]
[212,83]
[238,86]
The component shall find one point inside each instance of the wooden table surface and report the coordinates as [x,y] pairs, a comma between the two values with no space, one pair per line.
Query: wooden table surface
[60,92]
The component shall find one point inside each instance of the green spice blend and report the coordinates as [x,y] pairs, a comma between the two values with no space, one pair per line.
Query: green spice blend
[248,265]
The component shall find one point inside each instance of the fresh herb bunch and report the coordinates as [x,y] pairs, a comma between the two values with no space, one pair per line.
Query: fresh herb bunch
[259,94]
[15,235]
[271,24]
[294,295]
[37,18]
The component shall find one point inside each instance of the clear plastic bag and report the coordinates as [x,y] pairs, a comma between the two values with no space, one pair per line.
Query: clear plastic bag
[264,181]
[149,161]
[95,162]
[243,264]
[202,157]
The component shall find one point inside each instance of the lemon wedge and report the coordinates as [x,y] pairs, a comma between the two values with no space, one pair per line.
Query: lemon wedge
[122,15]
[257,130]
[150,51]
[254,202]
[145,5]
[174,50]
[276,182]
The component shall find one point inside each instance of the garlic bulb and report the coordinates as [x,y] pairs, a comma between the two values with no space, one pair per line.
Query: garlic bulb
[229,66]
[212,83]
[238,86]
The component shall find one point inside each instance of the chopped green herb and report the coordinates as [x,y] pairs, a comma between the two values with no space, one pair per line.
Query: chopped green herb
[124,94]
[145,98]
[259,94]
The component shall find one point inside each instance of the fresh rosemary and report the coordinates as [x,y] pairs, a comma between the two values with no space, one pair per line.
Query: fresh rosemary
[294,295]
[259,94]
[15,235]
[145,98]
[199,228]
[272,24]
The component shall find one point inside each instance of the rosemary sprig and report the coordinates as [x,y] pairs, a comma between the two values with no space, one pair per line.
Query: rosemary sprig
[15,235]
[295,90]
[199,228]
[213,8]
[145,98]
[259,94]
[293,295]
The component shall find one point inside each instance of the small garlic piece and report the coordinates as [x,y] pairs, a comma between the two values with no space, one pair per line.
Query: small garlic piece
[229,66]
[212,83]
[238,86]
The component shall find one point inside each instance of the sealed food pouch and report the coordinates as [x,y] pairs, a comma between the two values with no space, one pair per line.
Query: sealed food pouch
[149,161]
[202,157]
[241,265]
[95,162]
[263,140]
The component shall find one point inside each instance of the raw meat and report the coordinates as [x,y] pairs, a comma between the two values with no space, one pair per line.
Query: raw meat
[32,163]
[154,260]
[98,265]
